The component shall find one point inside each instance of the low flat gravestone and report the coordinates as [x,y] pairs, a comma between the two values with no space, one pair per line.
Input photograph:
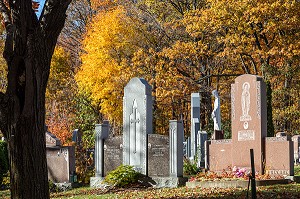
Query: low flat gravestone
[158,155]
[137,123]
[113,153]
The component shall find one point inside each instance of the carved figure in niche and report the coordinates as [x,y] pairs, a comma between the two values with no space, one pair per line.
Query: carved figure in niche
[216,113]
[245,102]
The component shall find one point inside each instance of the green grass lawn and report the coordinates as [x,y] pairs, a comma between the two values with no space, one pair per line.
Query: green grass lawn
[276,191]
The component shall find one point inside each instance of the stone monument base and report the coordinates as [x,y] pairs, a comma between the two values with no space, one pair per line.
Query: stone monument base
[168,182]
[95,182]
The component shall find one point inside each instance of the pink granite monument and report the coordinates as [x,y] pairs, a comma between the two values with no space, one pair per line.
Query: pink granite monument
[249,131]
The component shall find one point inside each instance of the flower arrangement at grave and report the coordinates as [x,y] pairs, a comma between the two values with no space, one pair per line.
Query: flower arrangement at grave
[230,174]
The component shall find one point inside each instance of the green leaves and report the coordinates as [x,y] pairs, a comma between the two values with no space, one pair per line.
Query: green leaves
[122,176]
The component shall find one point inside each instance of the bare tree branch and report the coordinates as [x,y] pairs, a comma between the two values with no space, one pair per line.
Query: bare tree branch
[52,20]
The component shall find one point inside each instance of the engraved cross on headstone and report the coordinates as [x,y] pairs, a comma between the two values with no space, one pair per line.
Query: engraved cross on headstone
[134,121]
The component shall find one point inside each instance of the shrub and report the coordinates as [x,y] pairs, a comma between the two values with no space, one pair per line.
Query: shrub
[4,166]
[123,175]
[189,167]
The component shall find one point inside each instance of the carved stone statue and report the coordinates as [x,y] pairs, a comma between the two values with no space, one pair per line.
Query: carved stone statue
[216,113]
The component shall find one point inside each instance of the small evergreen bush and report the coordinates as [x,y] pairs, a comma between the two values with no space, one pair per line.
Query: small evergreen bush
[190,167]
[123,175]
[3,160]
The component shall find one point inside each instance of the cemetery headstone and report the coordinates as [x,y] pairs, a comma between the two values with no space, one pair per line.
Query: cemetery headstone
[273,155]
[137,123]
[52,140]
[176,148]
[188,147]
[76,136]
[158,155]
[279,156]
[60,160]
[296,143]
[194,134]
[101,133]
[113,153]
[202,137]
[249,120]
[195,122]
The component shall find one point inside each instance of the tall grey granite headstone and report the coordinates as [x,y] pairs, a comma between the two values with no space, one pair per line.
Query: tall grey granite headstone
[176,148]
[195,122]
[194,135]
[101,133]
[188,147]
[137,123]
[201,138]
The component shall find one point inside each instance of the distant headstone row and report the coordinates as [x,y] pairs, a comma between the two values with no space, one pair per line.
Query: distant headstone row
[162,156]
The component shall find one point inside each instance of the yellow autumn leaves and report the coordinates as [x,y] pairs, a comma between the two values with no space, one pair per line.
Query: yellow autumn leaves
[183,48]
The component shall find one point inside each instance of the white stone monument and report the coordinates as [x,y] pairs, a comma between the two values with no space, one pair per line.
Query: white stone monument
[137,123]
[216,113]
[176,148]
[195,122]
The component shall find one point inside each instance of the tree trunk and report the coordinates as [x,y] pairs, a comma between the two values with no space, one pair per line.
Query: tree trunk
[26,124]
[28,50]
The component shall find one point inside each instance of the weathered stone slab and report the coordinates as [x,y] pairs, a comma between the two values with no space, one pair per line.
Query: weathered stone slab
[61,163]
[158,155]
[113,153]
[52,140]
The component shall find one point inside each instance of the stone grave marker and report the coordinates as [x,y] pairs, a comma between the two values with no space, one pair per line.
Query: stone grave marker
[249,120]
[195,122]
[60,160]
[158,155]
[52,140]
[201,138]
[273,155]
[101,134]
[296,144]
[176,148]
[279,156]
[194,144]
[137,123]
[188,147]
[113,153]
[76,136]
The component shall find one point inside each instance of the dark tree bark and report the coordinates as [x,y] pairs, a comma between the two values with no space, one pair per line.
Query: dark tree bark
[28,50]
